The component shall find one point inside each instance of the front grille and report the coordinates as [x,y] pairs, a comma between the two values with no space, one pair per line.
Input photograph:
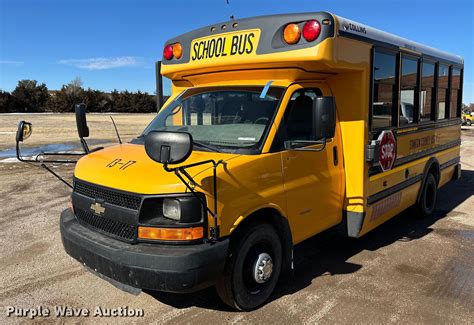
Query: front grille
[125,200]
[113,227]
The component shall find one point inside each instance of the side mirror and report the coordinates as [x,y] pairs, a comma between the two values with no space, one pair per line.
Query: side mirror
[168,147]
[81,121]
[24,131]
[324,117]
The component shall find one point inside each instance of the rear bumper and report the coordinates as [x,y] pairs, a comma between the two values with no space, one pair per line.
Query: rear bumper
[168,268]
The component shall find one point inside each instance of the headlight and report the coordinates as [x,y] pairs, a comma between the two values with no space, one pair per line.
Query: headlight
[172,209]
[179,210]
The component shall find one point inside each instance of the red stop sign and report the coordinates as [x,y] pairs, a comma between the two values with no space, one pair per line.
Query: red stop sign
[388,150]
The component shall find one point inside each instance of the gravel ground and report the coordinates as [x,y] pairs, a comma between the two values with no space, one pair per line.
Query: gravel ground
[408,270]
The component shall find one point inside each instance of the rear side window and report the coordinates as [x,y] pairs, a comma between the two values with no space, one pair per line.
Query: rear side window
[408,90]
[455,100]
[443,77]
[384,65]
[427,91]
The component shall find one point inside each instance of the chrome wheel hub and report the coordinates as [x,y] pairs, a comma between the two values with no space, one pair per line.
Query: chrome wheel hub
[263,268]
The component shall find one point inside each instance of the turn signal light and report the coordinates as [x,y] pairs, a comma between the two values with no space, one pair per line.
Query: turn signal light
[154,233]
[292,33]
[177,50]
[168,52]
[311,30]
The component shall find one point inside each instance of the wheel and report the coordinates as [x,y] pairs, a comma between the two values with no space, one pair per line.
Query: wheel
[427,202]
[252,269]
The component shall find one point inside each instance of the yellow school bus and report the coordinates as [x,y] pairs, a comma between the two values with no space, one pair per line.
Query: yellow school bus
[278,128]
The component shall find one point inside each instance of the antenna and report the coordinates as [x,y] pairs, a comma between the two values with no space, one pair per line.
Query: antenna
[231,16]
[116,131]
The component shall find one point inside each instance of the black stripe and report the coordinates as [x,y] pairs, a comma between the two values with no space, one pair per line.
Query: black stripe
[427,152]
[392,190]
[428,126]
[400,186]
[374,170]
[450,163]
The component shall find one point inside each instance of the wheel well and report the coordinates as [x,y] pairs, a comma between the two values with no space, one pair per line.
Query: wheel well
[434,169]
[280,223]
[431,167]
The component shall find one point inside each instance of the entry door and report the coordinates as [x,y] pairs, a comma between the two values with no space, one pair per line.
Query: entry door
[313,180]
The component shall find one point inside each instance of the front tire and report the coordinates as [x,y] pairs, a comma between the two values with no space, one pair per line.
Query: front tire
[427,202]
[252,269]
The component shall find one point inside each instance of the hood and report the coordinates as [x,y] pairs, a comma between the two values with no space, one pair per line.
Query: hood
[127,167]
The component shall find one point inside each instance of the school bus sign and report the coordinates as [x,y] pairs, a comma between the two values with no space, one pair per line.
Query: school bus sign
[388,150]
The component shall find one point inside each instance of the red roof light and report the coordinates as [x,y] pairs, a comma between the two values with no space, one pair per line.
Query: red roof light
[168,52]
[311,30]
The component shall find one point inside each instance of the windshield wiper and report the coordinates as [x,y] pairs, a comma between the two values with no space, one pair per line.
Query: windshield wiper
[206,145]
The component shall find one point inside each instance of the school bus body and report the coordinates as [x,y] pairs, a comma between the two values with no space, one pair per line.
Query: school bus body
[309,191]
[341,63]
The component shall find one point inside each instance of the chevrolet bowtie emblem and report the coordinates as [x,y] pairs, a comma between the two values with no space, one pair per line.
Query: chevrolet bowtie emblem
[97,208]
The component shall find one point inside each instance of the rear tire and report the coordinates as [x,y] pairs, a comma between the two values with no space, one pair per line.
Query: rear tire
[429,194]
[252,269]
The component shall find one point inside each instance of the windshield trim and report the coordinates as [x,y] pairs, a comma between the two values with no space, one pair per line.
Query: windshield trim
[228,149]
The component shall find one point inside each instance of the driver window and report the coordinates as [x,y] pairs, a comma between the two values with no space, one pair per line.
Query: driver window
[299,114]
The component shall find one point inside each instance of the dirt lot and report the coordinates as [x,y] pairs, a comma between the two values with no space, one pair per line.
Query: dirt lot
[407,271]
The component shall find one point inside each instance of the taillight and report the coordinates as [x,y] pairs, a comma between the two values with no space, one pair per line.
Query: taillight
[311,30]
[292,33]
[168,52]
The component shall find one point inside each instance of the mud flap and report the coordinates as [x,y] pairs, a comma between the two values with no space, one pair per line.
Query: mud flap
[352,223]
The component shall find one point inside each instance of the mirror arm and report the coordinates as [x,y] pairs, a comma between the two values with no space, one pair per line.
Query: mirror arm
[38,160]
[85,146]
[323,142]
[56,175]
[181,170]
[20,158]
[63,154]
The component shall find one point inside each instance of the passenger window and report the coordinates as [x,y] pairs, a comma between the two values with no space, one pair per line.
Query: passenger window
[455,103]
[384,89]
[443,76]
[299,114]
[408,88]
[427,91]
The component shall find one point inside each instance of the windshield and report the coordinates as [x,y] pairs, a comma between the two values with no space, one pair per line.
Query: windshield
[228,119]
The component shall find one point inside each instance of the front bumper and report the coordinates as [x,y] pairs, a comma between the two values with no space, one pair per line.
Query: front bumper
[170,268]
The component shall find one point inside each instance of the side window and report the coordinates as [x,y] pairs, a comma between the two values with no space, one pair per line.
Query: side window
[443,77]
[299,114]
[455,103]
[408,90]
[384,75]
[427,91]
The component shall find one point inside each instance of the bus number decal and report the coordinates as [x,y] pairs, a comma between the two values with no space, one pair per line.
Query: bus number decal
[123,164]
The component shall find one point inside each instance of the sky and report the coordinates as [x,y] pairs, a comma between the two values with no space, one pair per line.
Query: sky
[113,44]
